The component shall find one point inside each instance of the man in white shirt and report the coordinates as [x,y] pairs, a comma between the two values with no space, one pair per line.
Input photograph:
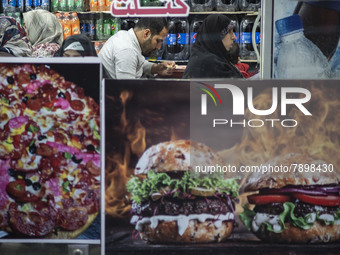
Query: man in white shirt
[123,55]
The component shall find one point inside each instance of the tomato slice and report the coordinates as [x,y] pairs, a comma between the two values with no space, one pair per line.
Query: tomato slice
[267,199]
[330,200]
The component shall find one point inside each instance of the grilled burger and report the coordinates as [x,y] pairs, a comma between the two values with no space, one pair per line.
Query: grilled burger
[294,207]
[172,204]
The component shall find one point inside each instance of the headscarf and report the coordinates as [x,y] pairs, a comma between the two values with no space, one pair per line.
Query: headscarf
[211,33]
[43,27]
[209,58]
[13,39]
[80,43]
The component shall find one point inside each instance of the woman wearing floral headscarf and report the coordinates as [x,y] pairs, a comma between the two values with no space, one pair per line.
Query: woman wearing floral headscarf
[13,39]
[209,55]
[44,32]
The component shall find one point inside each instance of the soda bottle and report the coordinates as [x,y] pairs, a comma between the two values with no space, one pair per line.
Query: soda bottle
[54,5]
[75,24]
[298,57]
[63,5]
[237,27]
[182,39]
[60,19]
[108,5]
[20,5]
[99,26]
[79,5]
[67,25]
[194,26]
[45,5]
[107,28]
[226,5]
[171,40]
[82,23]
[10,6]
[101,5]
[92,26]
[71,5]
[202,5]
[114,25]
[249,5]
[36,4]
[246,46]
[94,5]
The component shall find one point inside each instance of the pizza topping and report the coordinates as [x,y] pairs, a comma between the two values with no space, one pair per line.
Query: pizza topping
[45,150]
[33,76]
[16,188]
[34,103]
[77,105]
[62,103]
[10,80]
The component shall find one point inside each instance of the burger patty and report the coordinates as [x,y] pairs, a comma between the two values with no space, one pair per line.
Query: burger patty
[301,209]
[176,206]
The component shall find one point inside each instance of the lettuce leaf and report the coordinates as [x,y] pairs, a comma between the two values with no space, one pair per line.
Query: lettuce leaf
[287,216]
[141,190]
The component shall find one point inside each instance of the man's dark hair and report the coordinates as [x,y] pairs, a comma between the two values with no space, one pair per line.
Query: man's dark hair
[155,25]
[234,53]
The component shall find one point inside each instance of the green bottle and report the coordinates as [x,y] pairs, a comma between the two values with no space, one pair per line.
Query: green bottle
[107,28]
[99,27]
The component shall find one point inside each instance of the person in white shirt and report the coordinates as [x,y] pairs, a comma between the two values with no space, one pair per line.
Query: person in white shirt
[123,55]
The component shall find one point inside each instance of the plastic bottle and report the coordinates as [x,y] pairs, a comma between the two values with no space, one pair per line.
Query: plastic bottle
[36,4]
[202,5]
[114,25]
[194,26]
[79,5]
[71,5]
[94,5]
[92,26]
[67,25]
[75,24]
[183,39]
[9,7]
[249,5]
[82,23]
[45,5]
[20,5]
[106,28]
[246,47]
[298,57]
[177,43]
[54,5]
[108,5]
[226,5]
[101,5]
[99,26]
[171,40]
[60,19]
[335,63]
[237,27]
[63,5]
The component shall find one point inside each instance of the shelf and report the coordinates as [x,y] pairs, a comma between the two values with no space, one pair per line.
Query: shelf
[248,60]
[218,12]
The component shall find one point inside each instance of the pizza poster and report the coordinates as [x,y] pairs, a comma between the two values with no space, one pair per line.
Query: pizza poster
[201,166]
[49,150]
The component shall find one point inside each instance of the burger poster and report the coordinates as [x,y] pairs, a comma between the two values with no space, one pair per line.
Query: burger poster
[205,166]
[49,151]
